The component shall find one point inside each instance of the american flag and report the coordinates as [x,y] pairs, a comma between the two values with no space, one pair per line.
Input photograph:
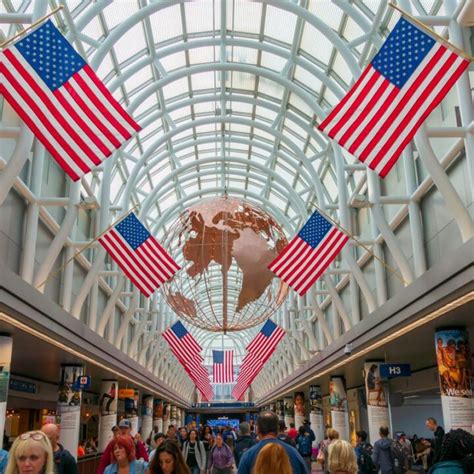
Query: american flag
[223,366]
[62,101]
[188,352]
[309,253]
[397,91]
[258,352]
[139,254]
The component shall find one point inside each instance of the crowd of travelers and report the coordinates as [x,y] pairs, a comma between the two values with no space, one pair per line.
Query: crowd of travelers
[266,447]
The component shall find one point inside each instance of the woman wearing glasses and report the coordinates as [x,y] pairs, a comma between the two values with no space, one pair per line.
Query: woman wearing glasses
[31,453]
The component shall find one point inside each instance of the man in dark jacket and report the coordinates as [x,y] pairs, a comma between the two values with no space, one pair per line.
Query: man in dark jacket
[364,452]
[382,456]
[64,462]
[243,443]
[438,431]
[283,436]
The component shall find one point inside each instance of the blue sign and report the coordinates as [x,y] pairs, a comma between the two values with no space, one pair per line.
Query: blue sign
[390,371]
[22,386]
[82,382]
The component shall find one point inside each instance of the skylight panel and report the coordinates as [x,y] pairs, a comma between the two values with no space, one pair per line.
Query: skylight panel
[166,24]
[130,43]
[175,88]
[199,16]
[245,16]
[271,88]
[93,29]
[316,43]
[117,12]
[202,55]
[173,61]
[272,61]
[202,80]
[327,12]
[280,25]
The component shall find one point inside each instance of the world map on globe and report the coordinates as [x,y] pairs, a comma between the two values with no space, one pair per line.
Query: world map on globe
[226,245]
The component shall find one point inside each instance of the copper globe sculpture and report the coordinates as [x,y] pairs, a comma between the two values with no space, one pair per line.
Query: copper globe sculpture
[225,245]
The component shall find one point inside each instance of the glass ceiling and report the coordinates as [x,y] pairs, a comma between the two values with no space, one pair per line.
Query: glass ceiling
[228,94]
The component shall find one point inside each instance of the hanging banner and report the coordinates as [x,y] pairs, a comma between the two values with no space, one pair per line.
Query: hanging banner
[316,412]
[289,414]
[147,417]
[158,415]
[300,412]
[173,415]
[376,394]
[69,407]
[338,402]
[108,412]
[280,409]
[5,360]
[166,416]
[453,357]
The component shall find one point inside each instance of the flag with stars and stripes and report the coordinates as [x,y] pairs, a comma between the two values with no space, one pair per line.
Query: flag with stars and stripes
[62,101]
[139,254]
[258,352]
[187,350]
[309,253]
[397,91]
[223,366]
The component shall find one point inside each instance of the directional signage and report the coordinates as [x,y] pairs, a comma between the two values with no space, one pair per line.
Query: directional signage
[390,371]
[82,383]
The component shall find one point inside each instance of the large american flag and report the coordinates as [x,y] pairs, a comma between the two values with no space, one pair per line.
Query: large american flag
[405,81]
[309,253]
[139,254]
[223,366]
[62,101]
[258,352]
[188,352]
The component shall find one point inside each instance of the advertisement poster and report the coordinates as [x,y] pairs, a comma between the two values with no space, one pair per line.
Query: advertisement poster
[147,416]
[280,409]
[173,415]
[338,402]
[453,357]
[300,412]
[5,359]
[158,414]
[288,409]
[316,412]
[69,407]
[376,396]
[108,411]
[166,415]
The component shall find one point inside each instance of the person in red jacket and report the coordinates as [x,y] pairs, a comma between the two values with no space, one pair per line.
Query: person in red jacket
[124,429]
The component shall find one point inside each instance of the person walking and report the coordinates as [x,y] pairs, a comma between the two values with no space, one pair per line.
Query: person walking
[64,461]
[123,458]
[221,458]
[332,436]
[382,456]
[438,431]
[272,459]
[304,446]
[282,434]
[168,459]
[194,453]
[32,453]
[244,442]
[342,458]
[364,451]
[267,430]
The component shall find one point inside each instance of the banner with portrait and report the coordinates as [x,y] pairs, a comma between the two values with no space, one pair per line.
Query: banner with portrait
[338,402]
[376,394]
[316,412]
[288,409]
[300,410]
[453,357]
[158,414]
[108,412]
[147,416]
[69,407]
[280,409]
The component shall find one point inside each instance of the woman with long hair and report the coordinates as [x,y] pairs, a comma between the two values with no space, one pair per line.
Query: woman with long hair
[194,453]
[168,459]
[272,458]
[31,453]
[207,438]
[122,459]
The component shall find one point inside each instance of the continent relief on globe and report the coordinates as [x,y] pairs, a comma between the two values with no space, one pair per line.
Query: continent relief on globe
[241,235]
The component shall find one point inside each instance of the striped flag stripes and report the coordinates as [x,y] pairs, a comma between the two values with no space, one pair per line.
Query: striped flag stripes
[223,366]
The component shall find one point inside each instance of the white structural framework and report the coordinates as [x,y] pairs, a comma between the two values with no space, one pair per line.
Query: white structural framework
[228,94]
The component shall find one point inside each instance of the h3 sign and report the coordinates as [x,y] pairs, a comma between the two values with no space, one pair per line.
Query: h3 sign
[390,371]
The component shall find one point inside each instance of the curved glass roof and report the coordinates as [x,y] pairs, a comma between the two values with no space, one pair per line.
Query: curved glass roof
[228,94]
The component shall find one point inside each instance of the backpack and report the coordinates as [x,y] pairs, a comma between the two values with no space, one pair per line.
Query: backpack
[241,447]
[304,445]
[399,458]
[447,467]
[364,459]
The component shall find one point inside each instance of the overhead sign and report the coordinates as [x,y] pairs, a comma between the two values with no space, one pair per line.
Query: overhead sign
[390,371]
[126,393]
[82,382]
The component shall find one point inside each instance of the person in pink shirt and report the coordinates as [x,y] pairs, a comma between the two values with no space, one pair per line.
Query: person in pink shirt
[293,432]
